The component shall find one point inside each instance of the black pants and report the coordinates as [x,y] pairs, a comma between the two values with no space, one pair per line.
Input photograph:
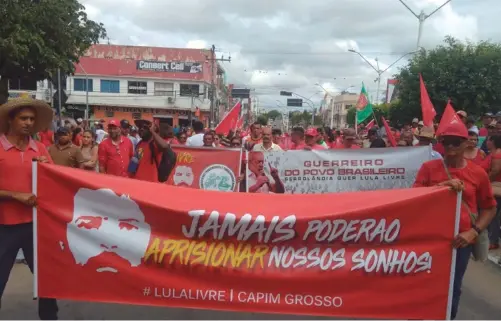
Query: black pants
[13,238]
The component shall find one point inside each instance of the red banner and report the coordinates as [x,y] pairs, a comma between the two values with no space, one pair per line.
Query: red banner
[206,168]
[377,255]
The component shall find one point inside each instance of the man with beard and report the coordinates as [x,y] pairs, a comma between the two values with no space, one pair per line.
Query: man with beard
[148,152]
[115,152]
[64,153]
[255,136]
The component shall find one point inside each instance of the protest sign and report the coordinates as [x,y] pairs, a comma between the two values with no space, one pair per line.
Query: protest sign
[206,168]
[329,171]
[371,255]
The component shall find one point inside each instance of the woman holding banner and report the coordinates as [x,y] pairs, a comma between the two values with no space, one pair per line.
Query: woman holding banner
[463,175]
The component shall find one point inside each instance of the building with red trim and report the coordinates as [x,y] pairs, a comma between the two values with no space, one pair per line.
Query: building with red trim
[132,82]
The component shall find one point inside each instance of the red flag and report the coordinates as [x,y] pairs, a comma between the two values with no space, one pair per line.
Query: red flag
[427,108]
[449,117]
[370,124]
[389,133]
[240,123]
[229,121]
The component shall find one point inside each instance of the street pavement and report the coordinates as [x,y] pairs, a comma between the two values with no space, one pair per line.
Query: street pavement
[481,300]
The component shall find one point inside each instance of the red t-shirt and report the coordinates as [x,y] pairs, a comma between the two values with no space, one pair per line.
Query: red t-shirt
[477,193]
[147,171]
[439,148]
[46,137]
[341,146]
[483,132]
[299,146]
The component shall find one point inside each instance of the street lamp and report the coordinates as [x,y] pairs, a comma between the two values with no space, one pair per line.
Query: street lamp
[422,17]
[378,70]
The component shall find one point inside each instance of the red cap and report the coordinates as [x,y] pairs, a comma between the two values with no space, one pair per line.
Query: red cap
[113,122]
[311,132]
[455,128]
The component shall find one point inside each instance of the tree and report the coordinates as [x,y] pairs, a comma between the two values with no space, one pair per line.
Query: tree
[274,114]
[467,73]
[38,37]
[381,110]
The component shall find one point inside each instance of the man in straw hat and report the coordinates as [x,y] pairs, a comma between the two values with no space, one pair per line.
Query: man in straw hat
[425,137]
[19,119]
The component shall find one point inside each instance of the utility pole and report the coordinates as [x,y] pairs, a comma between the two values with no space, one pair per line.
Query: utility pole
[214,60]
[378,70]
[59,107]
[422,18]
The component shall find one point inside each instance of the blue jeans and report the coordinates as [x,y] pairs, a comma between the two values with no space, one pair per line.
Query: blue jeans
[494,225]
[462,259]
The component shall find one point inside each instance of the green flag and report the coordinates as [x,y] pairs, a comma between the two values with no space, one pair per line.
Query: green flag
[364,106]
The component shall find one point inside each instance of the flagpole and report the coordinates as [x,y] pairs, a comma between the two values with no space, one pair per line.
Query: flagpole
[356,124]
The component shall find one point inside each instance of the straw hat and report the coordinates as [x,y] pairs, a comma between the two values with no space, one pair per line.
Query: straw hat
[44,113]
[426,132]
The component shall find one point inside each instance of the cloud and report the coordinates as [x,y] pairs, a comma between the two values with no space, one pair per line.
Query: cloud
[276,45]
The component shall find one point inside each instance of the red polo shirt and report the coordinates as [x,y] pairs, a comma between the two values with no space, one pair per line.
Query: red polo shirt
[15,176]
[115,158]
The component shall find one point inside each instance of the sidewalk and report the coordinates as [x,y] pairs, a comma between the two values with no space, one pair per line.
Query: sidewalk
[495,256]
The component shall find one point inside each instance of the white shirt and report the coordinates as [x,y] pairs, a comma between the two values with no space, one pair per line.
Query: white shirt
[100,134]
[252,180]
[260,148]
[196,140]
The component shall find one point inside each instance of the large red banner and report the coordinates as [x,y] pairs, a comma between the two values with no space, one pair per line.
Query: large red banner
[214,169]
[378,255]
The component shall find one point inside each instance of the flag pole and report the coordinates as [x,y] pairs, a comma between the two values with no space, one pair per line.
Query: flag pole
[356,124]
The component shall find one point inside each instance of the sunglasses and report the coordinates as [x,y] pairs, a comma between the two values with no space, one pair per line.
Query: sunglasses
[452,141]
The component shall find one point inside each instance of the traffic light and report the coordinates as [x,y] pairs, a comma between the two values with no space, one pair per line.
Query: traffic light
[285,93]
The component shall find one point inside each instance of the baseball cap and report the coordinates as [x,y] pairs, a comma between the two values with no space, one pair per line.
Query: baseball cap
[113,122]
[79,120]
[415,120]
[311,132]
[462,113]
[421,123]
[488,115]
[62,131]
[455,129]
[124,123]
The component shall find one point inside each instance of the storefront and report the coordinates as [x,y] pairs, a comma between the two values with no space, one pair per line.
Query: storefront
[173,117]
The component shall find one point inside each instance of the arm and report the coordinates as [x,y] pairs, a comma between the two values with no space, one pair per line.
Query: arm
[495,168]
[102,158]
[486,202]
[79,159]
[159,141]
[278,187]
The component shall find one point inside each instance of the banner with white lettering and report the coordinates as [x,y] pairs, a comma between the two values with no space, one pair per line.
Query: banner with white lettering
[330,171]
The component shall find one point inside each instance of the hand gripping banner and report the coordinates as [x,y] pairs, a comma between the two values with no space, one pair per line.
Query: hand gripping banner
[372,255]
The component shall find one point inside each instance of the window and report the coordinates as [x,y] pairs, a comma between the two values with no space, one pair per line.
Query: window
[110,86]
[79,84]
[137,87]
[348,106]
[189,90]
[136,116]
[164,89]
[109,114]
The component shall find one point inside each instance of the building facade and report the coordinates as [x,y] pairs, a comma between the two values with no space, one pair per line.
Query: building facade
[131,82]
[337,109]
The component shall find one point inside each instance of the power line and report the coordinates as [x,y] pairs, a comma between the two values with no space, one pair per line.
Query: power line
[309,53]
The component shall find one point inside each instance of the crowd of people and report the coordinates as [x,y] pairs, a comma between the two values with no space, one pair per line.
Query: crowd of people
[138,150]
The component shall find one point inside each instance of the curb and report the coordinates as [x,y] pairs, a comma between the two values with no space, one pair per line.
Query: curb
[495,259]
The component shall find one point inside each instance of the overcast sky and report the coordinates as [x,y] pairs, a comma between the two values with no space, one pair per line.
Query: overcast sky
[292,45]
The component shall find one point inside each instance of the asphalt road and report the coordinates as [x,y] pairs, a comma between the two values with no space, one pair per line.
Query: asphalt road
[481,300]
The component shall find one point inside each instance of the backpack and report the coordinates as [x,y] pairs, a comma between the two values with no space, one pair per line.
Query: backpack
[167,162]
